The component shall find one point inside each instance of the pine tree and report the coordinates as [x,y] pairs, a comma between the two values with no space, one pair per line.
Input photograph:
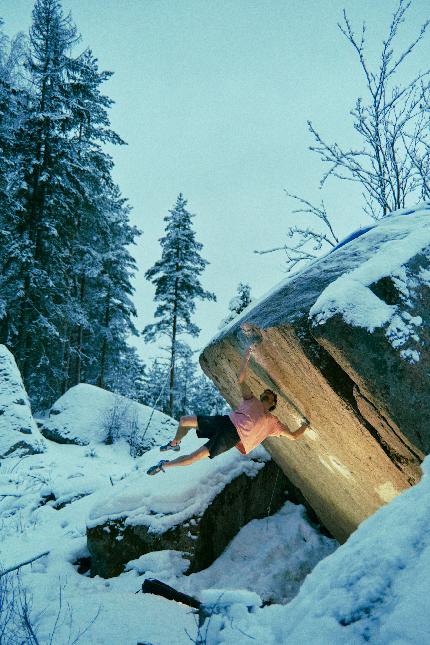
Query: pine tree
[14,100]
[185,376]
[238,303]
[177,284]
[65,265]
[155,390]
[206,399]
[194,392]
[45,207]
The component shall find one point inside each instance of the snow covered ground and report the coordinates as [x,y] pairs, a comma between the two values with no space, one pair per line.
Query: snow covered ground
[47,499]
[374,589]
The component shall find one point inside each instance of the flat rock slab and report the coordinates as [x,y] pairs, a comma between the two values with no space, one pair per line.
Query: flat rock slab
[333,356]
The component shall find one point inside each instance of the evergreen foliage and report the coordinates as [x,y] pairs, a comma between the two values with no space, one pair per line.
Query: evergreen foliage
[238,303]
[177,285]
[65,285]
[194,392]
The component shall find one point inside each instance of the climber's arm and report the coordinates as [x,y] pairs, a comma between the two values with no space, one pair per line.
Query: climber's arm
[243,373]
[293,436]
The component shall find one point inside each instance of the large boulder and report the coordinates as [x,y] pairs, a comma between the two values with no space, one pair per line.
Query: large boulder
[89,414]
[197,512]
[19,435]
[345,342]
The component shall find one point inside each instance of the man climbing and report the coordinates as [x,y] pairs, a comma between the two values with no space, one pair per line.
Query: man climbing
[245,428]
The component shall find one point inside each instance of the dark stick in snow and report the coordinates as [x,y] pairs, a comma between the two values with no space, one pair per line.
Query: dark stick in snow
[21,564]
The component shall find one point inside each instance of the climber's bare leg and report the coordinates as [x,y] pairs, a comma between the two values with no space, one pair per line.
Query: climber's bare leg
[187,460]
[185,424]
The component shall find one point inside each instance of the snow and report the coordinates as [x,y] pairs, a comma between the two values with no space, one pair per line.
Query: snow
[86,413]
[390,246]
[374,588]
[173,497]
[29,528]
[16,421]
[58,492]
[390,243]
[271,557]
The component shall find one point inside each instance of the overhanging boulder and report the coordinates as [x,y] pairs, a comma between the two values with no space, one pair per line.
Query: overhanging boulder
[361,383]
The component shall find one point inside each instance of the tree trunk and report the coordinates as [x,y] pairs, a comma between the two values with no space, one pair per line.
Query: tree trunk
[173,352]
[78,366]
[66,357]
[172,365]
[35,204]
[104,348]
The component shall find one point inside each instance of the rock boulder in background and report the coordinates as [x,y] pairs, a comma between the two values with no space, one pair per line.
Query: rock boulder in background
[19,435]
[87,413]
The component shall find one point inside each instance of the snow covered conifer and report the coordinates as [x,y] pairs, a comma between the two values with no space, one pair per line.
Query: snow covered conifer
[177,284]
[65,264]
[237,304]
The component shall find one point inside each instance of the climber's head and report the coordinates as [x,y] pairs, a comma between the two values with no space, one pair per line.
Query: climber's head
[269,399]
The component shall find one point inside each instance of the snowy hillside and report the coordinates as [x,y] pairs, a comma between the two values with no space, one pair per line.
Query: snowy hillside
[46,501]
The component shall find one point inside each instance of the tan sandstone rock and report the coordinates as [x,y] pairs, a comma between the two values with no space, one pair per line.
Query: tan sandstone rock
[345,342]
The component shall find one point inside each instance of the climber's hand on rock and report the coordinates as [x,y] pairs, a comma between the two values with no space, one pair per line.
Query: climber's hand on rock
[250,350]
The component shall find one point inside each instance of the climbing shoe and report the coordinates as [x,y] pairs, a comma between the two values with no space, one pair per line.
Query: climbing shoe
[157,468]
[170,446]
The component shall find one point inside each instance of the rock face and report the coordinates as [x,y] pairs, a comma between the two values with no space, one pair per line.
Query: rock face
[202,538]
[345,342]
[18,431]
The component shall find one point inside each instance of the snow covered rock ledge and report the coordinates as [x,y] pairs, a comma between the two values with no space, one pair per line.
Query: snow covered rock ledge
[197,511]
[18,431]
[346,343]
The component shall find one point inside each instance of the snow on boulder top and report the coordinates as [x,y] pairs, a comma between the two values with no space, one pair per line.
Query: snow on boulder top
[18,430]
[171,498]
[87,413]
[392,228]
[395,240]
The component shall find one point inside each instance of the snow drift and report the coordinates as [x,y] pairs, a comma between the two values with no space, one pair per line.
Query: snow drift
[375,588]
[86,413]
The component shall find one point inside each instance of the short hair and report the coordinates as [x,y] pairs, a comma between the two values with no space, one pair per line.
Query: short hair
[275,398]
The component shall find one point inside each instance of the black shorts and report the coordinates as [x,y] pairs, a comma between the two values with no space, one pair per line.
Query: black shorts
[221,432]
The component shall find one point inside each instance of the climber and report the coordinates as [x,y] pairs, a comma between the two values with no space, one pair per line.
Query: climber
[245,428]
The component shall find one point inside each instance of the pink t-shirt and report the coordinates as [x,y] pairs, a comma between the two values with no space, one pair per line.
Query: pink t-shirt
[253,424]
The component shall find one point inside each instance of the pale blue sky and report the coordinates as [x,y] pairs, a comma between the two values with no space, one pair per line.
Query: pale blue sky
[213,99]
